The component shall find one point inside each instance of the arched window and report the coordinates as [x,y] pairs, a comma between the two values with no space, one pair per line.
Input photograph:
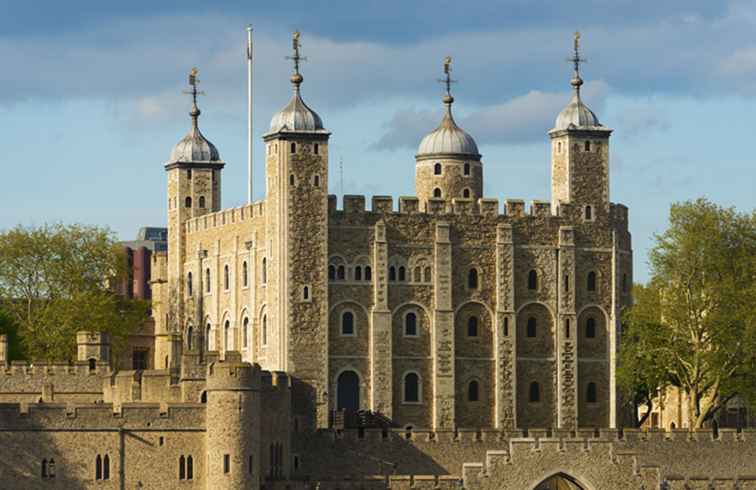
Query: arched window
[341,273]
[472,279]
[535,392]
[410,324]
[188,202]
[368,273]
[588,213]
[411,388]
[189,468]
[189,284]
[467,169]
[590,328]
[472,391]
[466,193]
[92,364]
[202,202]
[203,397]
[293,148]
[331,273]
[51,468]
[245,274]
[306,293]
[532,329]
[347,323]
[226,278]
[226,335]
[591,282]
[506,326]
[392,273]
[437,192]
[591,396]
[264,270]
[208,337]
[190,337]
[182,467]
[437,169]
[291,179]
[98,468]
[264,330]
[402,274]
[587,146]
[358,273]
[472,326]
[532,280]
[348,391]
[245,332]
[207,280]
[106,467]
[427,274]
[417,276]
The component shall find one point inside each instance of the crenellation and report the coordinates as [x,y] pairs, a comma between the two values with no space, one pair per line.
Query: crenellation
[514,208]
[354,203]
[383,204]
[409,205]
[540,209]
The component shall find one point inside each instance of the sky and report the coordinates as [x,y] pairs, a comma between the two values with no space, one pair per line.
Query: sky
[91,98]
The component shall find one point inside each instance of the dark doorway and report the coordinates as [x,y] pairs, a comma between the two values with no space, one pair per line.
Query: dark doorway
[348,391]
[559,482]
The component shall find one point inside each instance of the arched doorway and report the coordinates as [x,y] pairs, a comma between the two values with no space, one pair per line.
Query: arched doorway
[559,482]
[348,391]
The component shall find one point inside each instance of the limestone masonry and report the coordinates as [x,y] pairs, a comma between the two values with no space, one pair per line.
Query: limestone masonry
[444,341]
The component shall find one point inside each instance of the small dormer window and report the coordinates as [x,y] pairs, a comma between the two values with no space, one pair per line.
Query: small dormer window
[437,169]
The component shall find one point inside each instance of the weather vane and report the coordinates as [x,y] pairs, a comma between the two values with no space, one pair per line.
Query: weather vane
[295,44]
[576,58]
[193,82]
[447,80]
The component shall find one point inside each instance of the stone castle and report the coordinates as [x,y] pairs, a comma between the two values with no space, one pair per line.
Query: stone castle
[300,345]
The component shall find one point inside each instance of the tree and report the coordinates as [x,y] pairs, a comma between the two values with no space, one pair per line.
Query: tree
[55,280]
[695,323]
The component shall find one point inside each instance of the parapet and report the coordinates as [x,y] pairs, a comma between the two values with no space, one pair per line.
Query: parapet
[232,375]
[226,216]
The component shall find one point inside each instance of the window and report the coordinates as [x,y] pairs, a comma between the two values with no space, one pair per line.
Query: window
[368,273]
[466,193]
[291,180]
[264,270]
[208,337]
[226,278]
[591,396]
[306,293]
[567,328]
[98,467]
[532,280]
[316,149]
[402,274]
[410,324]
[207,280]
[532,328]
[92,364]
[588,213]
[437,169]
[472,279]
[392,273]
[591,282]
[48,468]
[293,148]
[226,335]
[250,465]
[264,330]
[566,283]
[245,332]
[189,285]
[472,391]
[590,328]
[506,326]
[347,323]
[624,283]
[316,180]
[227,461]
[417,275]
[358,273]
[437,192]
[472,326]
[139,359]
[189,174]
[467,169]
[188,202]
[535,392]
[245,274]
[331,273]
[559,147]
[189,337]
[202,202]
[411,388]
[427,274]
[189,467]
[341,273]
[587,146]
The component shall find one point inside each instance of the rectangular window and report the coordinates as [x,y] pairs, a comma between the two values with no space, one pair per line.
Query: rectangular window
[139,359]
[251,466]
[226,463]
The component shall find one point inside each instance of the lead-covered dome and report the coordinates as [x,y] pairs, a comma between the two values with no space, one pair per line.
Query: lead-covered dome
[576,115]
[194,147]
[448,138]
[296,116]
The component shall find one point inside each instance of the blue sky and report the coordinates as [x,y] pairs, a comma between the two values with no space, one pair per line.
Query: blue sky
[91,103]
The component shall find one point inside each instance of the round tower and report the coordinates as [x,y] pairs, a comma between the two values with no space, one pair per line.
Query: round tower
[448,163]
[233,425]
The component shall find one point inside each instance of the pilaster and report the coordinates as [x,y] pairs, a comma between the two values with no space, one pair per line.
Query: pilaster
[566,332]
[505,332]
[380,329]
[612,338]
[443,332]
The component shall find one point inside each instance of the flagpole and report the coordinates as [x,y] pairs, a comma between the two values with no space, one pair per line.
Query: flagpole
[249,114]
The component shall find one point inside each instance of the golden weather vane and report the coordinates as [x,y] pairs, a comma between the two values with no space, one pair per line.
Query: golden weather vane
[447,80]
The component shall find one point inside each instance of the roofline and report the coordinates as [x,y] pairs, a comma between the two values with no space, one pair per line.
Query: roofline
[202,164]
[455,156]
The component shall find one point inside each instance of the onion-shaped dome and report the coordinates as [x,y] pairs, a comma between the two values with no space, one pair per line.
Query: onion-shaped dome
[448,138]
[194,147]
[576,115]
[296,116]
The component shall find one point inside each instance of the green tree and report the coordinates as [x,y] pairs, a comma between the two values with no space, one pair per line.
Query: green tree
[694,326]
[55,280]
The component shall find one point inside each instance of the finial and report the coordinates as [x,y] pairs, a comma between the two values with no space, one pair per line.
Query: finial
[576,59]
[447,81]
[193,82]
[296,78]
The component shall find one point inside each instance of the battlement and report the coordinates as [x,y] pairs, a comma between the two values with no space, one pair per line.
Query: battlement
[26,371]
[410,205]
[226,216]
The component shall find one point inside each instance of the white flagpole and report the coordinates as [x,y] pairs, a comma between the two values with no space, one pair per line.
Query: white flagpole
[249,114]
